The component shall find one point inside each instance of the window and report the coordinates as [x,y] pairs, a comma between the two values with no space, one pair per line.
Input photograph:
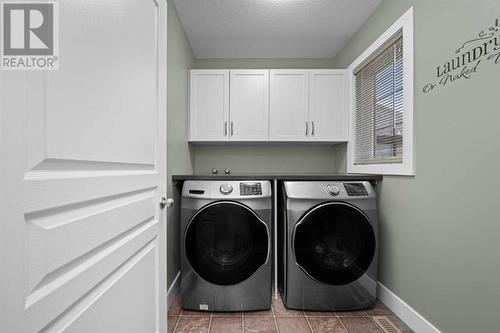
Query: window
[382,104]
[379,107]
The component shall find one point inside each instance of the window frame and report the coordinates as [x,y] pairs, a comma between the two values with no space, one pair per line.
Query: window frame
[407,167]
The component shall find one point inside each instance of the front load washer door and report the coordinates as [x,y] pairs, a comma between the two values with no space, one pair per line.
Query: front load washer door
[226,242]
[334,243]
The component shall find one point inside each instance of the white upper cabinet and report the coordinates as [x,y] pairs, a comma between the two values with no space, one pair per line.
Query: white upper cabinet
[328,114]
[249,105]
[289,105]
[268,105]
[209,105]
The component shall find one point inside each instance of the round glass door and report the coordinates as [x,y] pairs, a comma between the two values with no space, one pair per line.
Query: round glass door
[334,243]
[226,243]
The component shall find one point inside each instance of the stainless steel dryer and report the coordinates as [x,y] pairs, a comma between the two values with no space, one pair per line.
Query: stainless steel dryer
[226,245]
[328,241]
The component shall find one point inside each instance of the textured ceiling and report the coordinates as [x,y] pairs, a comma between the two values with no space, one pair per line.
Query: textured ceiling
[271,28]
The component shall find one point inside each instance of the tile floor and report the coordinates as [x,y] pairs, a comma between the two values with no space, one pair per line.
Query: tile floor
[279,320]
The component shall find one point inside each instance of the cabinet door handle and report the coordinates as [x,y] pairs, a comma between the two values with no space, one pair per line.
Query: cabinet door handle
[307,127]
[312,127]
[232,129]
[225,128]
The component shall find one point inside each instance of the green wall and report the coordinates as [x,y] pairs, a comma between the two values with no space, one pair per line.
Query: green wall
[439,230]
[262,157]
[277,63]
[179,156]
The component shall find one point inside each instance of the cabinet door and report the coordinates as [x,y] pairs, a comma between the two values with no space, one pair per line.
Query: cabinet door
[249,105]
[289,104]
[328,109]
[209,105]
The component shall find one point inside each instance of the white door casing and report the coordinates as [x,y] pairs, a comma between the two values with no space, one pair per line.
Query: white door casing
[83,165]
[328,113]
[249,105]
[209,105]
[289,105]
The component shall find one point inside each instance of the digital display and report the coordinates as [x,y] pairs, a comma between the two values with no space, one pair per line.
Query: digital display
[355,189]
[250,189]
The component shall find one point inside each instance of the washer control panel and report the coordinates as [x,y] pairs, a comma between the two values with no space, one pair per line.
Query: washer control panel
[226,189]
[250,189]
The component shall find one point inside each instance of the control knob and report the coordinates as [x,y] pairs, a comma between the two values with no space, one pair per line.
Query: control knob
[226,189]
[333,189]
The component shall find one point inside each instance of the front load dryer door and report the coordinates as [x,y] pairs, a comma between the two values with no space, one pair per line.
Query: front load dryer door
[226,243]
[334,243]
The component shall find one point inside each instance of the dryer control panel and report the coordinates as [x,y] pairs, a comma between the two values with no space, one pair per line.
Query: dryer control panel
[329,190]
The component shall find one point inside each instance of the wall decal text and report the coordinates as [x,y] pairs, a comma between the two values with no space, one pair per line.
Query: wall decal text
[468,57]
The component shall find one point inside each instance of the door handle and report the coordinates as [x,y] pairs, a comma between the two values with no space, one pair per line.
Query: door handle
[312,127]
[225,128]
[164,202]
[232,128]
[307,127]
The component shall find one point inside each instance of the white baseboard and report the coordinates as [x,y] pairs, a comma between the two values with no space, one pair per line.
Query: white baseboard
[406,313]
[173,290]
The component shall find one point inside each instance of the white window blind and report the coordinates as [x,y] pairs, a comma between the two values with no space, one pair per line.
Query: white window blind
[379,110]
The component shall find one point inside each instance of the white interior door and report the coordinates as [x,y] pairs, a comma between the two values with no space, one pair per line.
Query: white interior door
[289,105]
[249,105]
[209,105]
[82,150]
[328,112]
